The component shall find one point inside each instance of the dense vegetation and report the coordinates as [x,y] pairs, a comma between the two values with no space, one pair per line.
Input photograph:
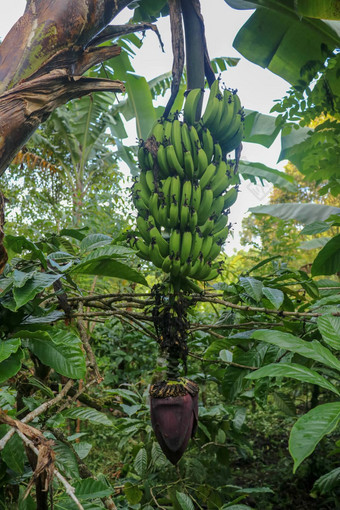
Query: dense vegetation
[79,349]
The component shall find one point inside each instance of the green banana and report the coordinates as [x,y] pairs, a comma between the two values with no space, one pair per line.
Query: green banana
[153,205]
[208,226]
[197,241]
[230,197]
[218,154]
[157,131]
[196,196]
[191,105]
[207,143]
[143,248]
[184,219]
[221,236]
[175,243]
[176,140]
[207,176]
[150,180]
[185,246]
[176,266]
[203,272]
[193,219]
[233,129]
[189,164]
[213,273]
[149,160]
[195,266]
[159,239]
[202,162]
[195,141]
[172,160]
[166,184]
[212,105]
[185,268]
[220,223]
[175,188]
[162,161]
[186,193]
[221,186]
[221,171]
[166,266]
[214,251]
[173,214]
[217,207]
[143,228]
[205,205]
[167,128]
[206,246]
[235,141]
[185,137]
[228,113]
[163,215]
[155,255]
[141,158]
[198,268]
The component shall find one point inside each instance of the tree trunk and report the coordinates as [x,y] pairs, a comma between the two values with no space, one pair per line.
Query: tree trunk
[42,60]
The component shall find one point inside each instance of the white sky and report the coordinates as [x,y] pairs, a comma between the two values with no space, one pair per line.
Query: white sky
[257,87]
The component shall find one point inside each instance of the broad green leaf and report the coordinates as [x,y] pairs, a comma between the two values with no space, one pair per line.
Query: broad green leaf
[91,489]
[82,449]
[329,327]
[11,366]
[260,128]
[328,259]
[18,244]
[313,244]
[275,296]
[293,371]
[108,266]
[5,285]
[114,251]
[14,454]
[303,213]
[185,501]
[284,403]
[320,9]
[66,460]
[44,319]
[310,429]
[316,228]
[32,287]
[58,349]
[252,286]
[253,170]
[313,350]
[93,241]
[326,483]
[132,493]
[141,462]
[8,347]
[287,42]
[75,233]
[140,100]
[226,355]
[86,413]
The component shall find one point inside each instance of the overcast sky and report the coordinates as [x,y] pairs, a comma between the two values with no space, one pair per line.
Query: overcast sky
[257,87]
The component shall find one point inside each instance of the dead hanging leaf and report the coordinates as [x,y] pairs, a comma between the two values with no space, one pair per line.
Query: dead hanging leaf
[34,161]
[3,252]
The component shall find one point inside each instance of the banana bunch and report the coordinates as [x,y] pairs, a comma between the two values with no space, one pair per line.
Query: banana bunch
[186,187]
[224,117]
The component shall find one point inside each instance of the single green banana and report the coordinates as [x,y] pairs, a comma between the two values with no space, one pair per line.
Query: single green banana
[153,205]
[233,129]
[220,223]
[221,171]
[162,161]
[206,246]
[173,162]
[176,266]
[191,104]
[196,196]
[218,154]
[167,128]
[206,178]
[141,158]
[208,226]
[185,269]
[149,160]
[186,193]
[207,143]
[228,112]
[203,272]
[159,239]
[186,137]
[193,219]
[166,266]
[176,140]
[143,228]
[197,241]
[221,236]
[217,207]
[230,197]
[155,255]
[173,214]
[189,164]
[235,141]
[204,208]
[221,186]
[213,274]
[195,142]
[166,185]
[163,215]
[185,246]
[175,243]
[143,248]
[211,111]
[198,268]
[195,266]
[184,219]
[150,180]
[175,188]
[202,162]
[214,251]
[157,131]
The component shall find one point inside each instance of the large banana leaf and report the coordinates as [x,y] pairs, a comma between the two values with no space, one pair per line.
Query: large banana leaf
[277,38]
[303,213]
[320,9]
